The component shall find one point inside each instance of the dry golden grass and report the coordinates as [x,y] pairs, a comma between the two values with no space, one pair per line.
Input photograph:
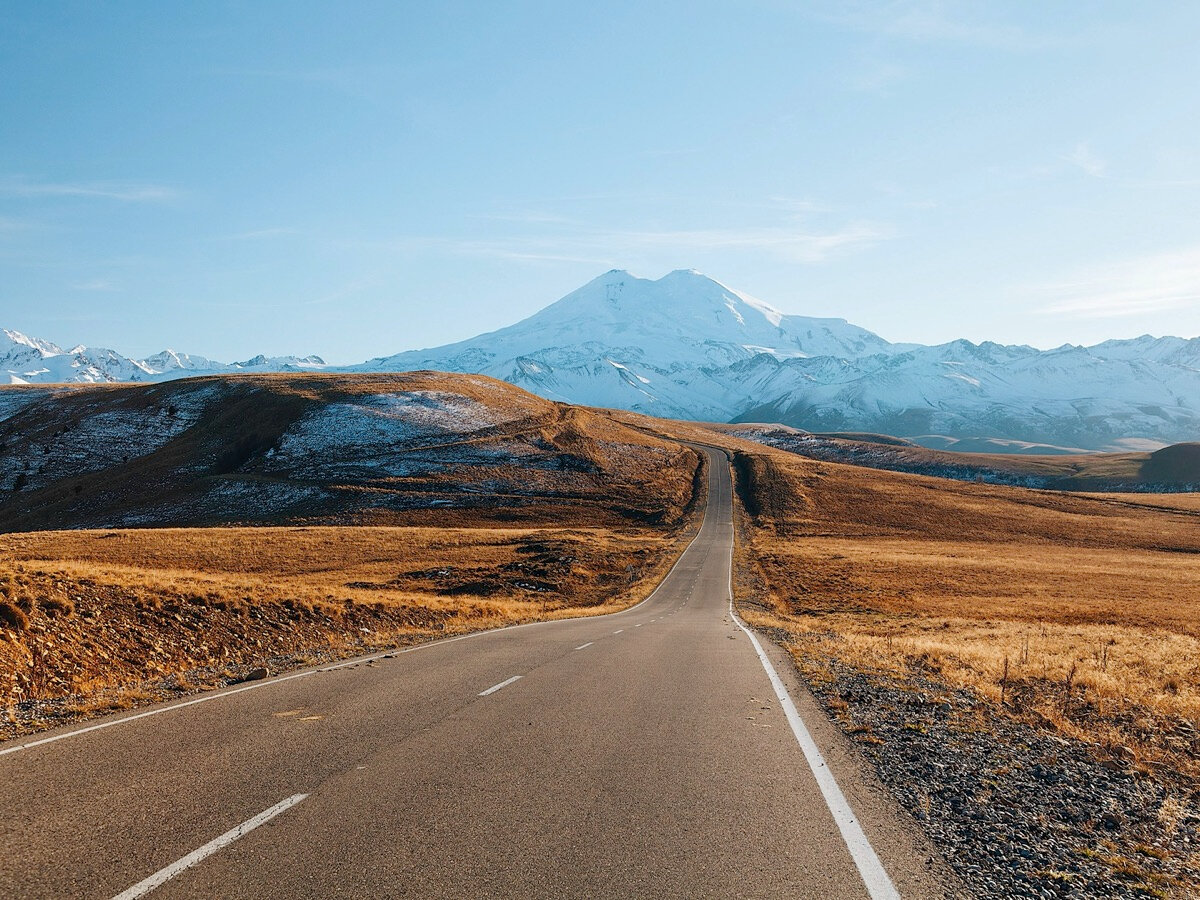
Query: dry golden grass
[1081,613]
[1182,502]
[110,608]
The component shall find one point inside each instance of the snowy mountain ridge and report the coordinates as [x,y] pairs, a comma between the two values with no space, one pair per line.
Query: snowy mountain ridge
[27,360]
[686,346]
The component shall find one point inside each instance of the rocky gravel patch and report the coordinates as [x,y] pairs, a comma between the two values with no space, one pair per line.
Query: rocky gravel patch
[1017,812]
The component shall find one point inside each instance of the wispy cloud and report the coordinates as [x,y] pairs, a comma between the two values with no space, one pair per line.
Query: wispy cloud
[523,217]
[10,225]
[604,246]
[796,205]
[104,285]
[1146,284]
[673,152]
[344,291]
[875,76]
[261,234]
[1085,159]
[124,191]
[931,21]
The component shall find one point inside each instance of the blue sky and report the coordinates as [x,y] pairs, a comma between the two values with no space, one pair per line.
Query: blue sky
[356,179]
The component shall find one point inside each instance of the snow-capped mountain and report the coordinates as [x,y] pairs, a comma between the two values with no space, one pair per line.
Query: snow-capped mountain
[663,347]
[686,346]
[26,360]
[1103,397]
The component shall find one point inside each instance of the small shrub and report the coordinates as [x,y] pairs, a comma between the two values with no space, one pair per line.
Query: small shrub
[12,616]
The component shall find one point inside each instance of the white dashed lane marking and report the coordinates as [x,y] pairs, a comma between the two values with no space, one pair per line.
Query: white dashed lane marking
[495,687]
[162,876]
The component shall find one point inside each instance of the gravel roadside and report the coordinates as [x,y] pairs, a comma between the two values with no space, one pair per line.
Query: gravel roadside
[1017,812]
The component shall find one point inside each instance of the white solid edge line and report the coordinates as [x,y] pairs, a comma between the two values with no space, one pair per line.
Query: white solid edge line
[875,877]
[585,646]
[29,745]
[495,687]
[142,888]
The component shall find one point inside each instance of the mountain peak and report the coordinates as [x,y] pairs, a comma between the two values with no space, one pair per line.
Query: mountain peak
[626,341]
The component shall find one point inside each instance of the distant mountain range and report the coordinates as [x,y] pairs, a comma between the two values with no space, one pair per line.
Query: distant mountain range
[686,346]
[27,360]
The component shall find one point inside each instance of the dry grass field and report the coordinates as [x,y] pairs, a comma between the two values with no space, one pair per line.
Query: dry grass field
[85,611]
[1075,612]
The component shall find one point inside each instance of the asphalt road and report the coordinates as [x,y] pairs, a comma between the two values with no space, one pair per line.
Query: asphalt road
[643,754]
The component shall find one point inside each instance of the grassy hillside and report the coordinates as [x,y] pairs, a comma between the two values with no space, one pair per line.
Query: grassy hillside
[414,448]
[1174,468]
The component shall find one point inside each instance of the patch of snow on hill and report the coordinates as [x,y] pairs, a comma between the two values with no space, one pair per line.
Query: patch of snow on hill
[80,440]
[376,434]
[15,400]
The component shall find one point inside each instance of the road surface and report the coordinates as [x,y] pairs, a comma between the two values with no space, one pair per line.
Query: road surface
[642,754]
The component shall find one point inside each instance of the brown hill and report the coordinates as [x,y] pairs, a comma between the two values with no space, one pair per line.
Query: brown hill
[338,449]
[1175,468]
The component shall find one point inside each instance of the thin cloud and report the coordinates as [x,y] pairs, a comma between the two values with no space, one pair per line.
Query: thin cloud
[523,217]
[96,284]
[344,291]
[795,205]
[1147,284]
[1084,159]
[599,246]
[124,191]
[11,225]
[876,76]
[931,21]
[261,234]
[671,152]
